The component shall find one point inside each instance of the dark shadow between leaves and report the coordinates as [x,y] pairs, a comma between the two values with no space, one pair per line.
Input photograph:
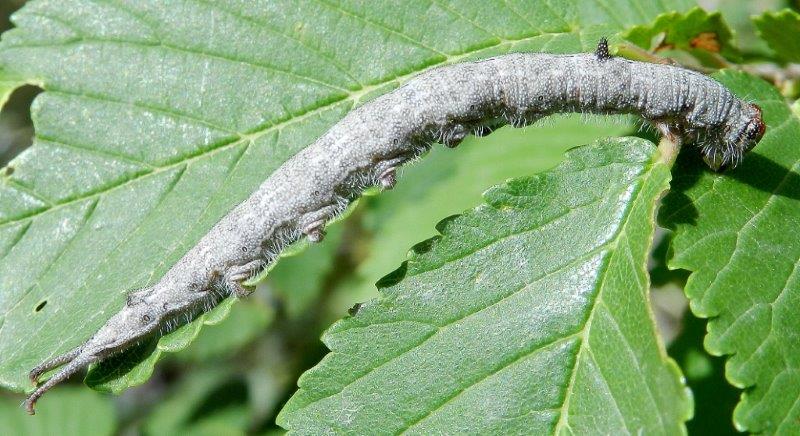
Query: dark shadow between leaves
[676,207]
[714,397]
[660,274]
[230,393]
[393,277]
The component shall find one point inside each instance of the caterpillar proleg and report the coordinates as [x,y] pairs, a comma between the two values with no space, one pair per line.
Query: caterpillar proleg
[367,146]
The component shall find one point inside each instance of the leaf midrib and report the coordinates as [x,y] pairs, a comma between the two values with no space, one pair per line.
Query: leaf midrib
[610,246]
[516,358]
[275,125]
[563,420]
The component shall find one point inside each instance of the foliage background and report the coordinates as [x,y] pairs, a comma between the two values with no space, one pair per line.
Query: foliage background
[237,375]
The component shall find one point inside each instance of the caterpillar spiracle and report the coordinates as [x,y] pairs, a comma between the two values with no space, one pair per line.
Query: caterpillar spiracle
[367,146]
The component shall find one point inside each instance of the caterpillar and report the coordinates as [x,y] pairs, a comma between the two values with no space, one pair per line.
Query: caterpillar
[367,146]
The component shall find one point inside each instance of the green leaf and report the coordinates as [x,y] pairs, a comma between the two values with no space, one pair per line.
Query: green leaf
[691,31]
[158,117]
[94,415]
[736,233]
[781,30]
[401,217]
[246,321]
[298,280]
[738,15]
[212,396]
[8,84]
[528,315]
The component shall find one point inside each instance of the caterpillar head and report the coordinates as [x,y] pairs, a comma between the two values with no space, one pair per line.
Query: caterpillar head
[739,135]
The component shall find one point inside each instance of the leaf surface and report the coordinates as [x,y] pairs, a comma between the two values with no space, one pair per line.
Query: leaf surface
[207,396]
[693,30]
[736,232]
[158,117]
[94,416]
[528,315]
[8,84]
[781,31]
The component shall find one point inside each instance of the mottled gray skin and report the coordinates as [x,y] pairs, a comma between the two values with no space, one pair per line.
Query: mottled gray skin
[364,149]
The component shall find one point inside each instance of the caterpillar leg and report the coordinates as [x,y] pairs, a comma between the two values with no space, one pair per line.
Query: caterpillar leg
[234,278]
[315,231]
[451,137]
[388,178]
[387,171]
[313,223]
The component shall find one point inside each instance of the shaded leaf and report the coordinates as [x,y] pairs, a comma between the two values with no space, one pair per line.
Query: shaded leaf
[781,30]
[738,14]
[735,232]
[528,315]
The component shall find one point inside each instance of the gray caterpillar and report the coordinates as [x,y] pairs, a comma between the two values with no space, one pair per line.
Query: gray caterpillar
[366,147]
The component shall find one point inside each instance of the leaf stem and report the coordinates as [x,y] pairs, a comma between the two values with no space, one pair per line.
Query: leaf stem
[668,150]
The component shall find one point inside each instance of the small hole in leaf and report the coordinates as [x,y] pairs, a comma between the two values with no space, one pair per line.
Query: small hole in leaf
[40,306]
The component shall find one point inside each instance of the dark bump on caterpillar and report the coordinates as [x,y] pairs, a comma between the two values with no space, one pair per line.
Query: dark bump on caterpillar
[601,52]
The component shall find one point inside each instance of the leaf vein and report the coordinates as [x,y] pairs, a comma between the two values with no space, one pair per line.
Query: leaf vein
[503,365]
[19,186]
[571,263]
[86,217]
[86,39]
[101,311]
[21,234]
[93,151]
[160,110]
[330,60]
[386,28]
[273,125]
